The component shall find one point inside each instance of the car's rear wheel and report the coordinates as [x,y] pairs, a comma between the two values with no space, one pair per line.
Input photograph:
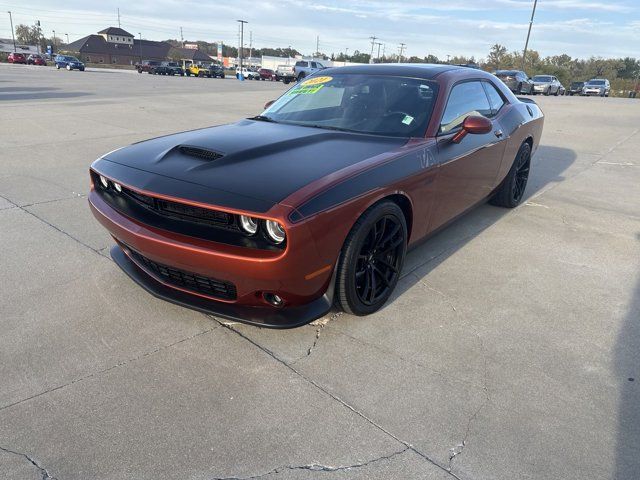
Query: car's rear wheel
[371,259]
[511,191]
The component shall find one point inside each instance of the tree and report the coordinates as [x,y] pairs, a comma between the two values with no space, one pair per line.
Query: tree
[496,56]
[28,35]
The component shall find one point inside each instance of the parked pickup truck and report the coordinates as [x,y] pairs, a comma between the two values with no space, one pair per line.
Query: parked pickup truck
[285,73]
[148,66]
[304,68]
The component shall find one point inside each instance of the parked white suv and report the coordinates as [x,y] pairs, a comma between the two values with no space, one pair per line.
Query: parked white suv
[248,74]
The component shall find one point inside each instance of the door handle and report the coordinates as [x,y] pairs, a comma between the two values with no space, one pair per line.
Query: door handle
[498,133]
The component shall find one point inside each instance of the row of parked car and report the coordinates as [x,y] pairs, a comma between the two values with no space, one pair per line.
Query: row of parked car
[153,67]
[33,59]
[520,83]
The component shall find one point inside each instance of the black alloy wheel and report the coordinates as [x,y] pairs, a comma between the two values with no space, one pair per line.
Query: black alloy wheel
[511,190]
[372,259]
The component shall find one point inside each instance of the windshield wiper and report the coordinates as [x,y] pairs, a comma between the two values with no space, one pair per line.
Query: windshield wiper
[263,118]
[329,127]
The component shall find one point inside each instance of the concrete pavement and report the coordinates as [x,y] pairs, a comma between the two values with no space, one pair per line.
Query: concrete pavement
[510,350]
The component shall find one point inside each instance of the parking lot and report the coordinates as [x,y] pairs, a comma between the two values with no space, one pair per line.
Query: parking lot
[511,349]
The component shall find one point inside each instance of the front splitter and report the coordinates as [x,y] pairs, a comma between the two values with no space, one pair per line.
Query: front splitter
[286,317]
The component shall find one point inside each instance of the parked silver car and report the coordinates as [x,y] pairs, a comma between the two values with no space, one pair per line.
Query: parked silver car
[597,86]
[547,85]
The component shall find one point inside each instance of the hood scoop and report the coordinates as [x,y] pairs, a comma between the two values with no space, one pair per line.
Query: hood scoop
[199,152]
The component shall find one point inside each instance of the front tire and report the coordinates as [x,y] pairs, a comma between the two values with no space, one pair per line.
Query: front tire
[511,191]
[371,259]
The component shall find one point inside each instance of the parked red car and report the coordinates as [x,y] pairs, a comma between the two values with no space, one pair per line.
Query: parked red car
[316,200]
[17,58]
[36,59]
[267,74]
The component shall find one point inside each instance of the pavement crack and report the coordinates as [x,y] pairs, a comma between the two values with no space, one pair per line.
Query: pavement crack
[77,240]
[317,467]
[45,475]
[320,324]
[112,367]
[345,404]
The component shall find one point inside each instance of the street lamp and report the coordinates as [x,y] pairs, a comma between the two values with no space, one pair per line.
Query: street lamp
[67,38]
[242,22]
[526,44]
[140,35]
[55,46]
[12,35]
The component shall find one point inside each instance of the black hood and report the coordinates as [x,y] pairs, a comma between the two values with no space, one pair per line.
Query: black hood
[257,159]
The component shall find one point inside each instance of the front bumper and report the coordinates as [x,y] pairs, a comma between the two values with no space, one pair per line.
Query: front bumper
[287,317]
[540,88]
[252,273]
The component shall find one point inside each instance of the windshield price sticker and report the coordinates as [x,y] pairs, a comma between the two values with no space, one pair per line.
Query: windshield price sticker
[304,90]
[317,81]
[407,119]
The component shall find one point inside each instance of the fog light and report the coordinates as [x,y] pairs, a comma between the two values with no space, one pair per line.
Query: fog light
[273,299]
[118,187]
[104,181]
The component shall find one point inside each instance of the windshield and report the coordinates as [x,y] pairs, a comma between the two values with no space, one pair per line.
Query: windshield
[542,78]
[577,84]
[595,82]
[373,104]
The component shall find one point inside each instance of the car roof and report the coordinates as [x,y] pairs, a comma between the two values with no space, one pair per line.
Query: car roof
[426,71]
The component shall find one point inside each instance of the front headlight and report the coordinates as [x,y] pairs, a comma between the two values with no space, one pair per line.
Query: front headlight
[248,224]
[275,231]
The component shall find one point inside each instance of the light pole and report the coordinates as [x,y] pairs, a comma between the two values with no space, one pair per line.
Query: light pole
[55,46]
[12,35]
[242,22]
[140,35]
[67,38]
[346,52]
[526,44]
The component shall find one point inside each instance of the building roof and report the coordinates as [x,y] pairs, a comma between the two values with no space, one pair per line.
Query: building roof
[96,44]
[115,31]
[189,54]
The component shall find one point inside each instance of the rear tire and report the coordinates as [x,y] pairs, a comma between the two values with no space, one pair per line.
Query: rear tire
[371,259]
[511,191]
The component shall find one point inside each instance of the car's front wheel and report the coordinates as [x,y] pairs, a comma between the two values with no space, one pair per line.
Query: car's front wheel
[511,191]
[371,259]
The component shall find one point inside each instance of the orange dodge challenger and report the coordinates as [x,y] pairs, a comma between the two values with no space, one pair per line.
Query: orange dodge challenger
[273,219]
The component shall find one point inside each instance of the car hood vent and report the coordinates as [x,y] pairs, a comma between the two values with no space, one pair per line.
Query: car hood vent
[199,152]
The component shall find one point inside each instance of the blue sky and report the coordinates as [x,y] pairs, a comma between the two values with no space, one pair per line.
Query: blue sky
[580,28]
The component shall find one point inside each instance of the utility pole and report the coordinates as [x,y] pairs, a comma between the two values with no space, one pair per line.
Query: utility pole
[39,36]
[67,38]
[346,52]
[378,57]
[250,46]
[401,48]
[317,46]
[373,43]
[140,35]
[181,38]
[55,43]
[12,34]
[242,22]
[448,57]
[526,44]
[119,18]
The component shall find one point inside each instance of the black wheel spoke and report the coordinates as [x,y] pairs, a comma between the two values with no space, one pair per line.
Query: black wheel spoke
[377,265]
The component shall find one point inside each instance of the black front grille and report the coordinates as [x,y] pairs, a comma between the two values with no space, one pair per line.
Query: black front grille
[186,280]
[182,211]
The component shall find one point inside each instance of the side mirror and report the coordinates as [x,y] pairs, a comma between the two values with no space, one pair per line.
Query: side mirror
[268,104]
[475,125]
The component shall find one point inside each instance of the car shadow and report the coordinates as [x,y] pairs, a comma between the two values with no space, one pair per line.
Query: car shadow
[26,89]
[627,371]
[547,168]
[40,95]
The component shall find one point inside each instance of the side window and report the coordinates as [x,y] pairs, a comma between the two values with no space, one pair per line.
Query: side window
[468,98]
[320,65]
[313,65]
[495,98]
